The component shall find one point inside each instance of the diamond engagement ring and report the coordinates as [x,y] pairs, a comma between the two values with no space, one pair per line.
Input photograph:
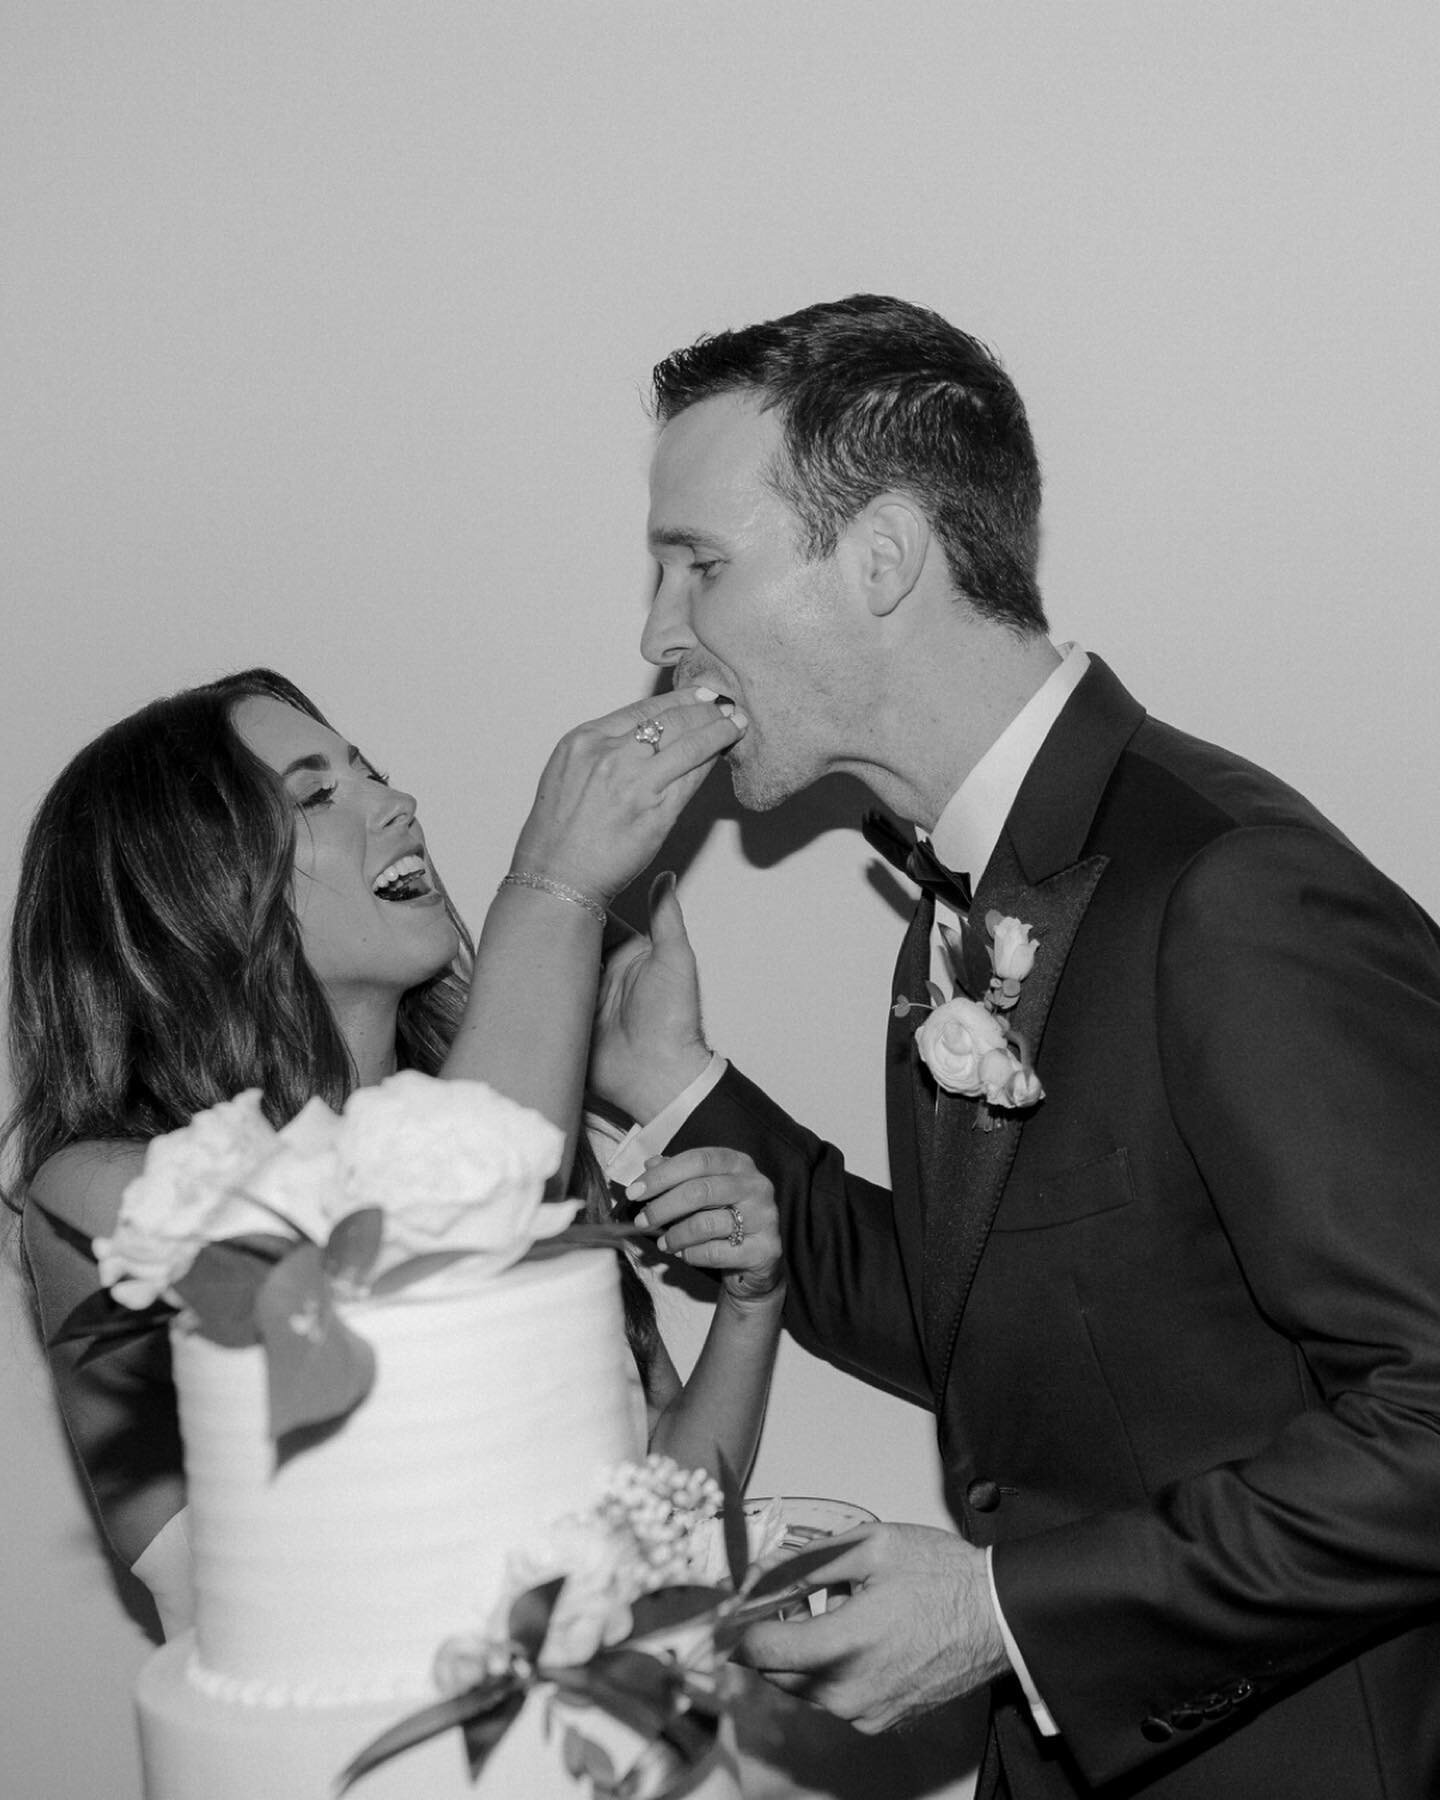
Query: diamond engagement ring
[648,732]
[737,1227]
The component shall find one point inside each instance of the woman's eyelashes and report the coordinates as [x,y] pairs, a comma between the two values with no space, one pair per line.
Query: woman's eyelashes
[325,793]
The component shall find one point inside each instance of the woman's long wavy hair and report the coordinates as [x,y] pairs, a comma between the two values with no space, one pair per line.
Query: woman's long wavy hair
[156,966]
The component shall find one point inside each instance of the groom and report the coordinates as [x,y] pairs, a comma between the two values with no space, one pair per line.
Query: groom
[1162,1246]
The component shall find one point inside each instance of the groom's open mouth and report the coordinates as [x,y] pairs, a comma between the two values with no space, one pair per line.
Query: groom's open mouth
[405,879]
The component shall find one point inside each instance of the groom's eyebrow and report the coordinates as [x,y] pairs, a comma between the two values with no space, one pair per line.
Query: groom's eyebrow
[677,537]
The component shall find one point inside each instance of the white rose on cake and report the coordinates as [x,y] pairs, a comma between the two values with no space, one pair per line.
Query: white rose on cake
[454,1165]
[186,1197]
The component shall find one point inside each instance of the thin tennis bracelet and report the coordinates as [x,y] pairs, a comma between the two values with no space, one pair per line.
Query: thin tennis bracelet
[544,885]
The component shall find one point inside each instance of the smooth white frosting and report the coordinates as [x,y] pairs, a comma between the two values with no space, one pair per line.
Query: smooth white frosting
[325,1588]
[334,1578]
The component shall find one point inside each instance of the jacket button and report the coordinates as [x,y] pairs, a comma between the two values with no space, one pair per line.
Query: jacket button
[1156,1730]
[983,1496]
[1185,1718]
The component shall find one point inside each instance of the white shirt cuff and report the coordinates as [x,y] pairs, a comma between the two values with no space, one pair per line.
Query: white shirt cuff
[643,1141]
[1039,1711]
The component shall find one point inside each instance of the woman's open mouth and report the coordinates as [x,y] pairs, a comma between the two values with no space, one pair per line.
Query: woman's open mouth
[405,879]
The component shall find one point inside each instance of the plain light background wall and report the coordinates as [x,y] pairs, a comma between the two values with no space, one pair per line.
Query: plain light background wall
[325,329]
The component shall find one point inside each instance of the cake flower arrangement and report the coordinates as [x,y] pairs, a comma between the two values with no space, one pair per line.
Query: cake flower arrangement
[256,1234]
[630,1611]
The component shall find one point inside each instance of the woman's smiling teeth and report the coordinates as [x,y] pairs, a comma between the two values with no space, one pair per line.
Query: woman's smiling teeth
[404,879]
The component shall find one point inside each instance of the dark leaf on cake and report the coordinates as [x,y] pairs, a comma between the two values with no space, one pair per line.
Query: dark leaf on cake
[500,1696]
[317,1368]
[353,1246]
[224,1281]
[584,1235]
[666,1608]
[796,1569]
[416,1269]
[641,1701]
[732,1520]
[530,1617]
[483,1734]
[584,1757]
[692,1736]
[658,1774]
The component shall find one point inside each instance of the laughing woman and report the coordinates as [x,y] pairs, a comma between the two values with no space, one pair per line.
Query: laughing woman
[221,893]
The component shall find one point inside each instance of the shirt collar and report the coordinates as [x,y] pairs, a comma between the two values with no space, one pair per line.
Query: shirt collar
[969,828]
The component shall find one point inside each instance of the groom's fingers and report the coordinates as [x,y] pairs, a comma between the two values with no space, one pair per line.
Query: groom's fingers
[780,1648]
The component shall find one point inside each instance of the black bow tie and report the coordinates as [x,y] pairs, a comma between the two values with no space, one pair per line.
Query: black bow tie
[918,861]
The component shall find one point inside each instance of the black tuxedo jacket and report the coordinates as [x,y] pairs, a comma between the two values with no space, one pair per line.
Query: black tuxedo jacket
[1180,1324]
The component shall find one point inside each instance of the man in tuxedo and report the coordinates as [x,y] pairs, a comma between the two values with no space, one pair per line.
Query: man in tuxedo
[1178,1315]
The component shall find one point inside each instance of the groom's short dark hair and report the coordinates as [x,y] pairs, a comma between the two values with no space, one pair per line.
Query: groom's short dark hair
[878,394]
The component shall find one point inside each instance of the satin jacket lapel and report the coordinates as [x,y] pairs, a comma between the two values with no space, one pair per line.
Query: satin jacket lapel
[968,1166]
[910,1125]
[1038,873]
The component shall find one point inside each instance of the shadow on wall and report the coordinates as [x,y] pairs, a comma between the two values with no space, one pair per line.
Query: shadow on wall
[834,803]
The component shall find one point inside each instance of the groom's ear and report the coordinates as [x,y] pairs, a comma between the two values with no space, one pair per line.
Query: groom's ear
[891,540]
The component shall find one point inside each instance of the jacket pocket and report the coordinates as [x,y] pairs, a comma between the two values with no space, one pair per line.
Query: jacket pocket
[1062,1196]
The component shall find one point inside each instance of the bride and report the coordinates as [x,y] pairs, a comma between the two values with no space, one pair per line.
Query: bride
[221,893]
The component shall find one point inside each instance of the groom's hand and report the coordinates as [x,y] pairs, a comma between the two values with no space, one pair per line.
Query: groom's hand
[919,1629]
[648,1044]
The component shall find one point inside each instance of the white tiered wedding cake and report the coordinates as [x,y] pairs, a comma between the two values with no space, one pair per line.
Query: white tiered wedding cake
[410,1394]
[324,1590]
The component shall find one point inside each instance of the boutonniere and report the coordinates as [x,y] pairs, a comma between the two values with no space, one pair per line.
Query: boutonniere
[970,1046]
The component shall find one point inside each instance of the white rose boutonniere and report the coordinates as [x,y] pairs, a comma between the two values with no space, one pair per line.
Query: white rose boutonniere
[969,1045]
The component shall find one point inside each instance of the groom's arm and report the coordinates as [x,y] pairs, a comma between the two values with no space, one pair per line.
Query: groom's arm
[848,1300]
[1299,1007]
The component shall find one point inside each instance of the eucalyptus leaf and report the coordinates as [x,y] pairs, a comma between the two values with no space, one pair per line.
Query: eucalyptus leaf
[530,1617]
[353,1246]
[596,1234]
[317,1368]
[613,1693]
[584,1757]
[936,993]
[458,1709]
[415,1269]
[732,1520]
[223,1283]
[665,1608]
[484,1733]
[796,1569]
[653,1678]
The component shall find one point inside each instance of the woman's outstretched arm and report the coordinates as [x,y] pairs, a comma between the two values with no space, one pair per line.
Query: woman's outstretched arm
[604,806]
